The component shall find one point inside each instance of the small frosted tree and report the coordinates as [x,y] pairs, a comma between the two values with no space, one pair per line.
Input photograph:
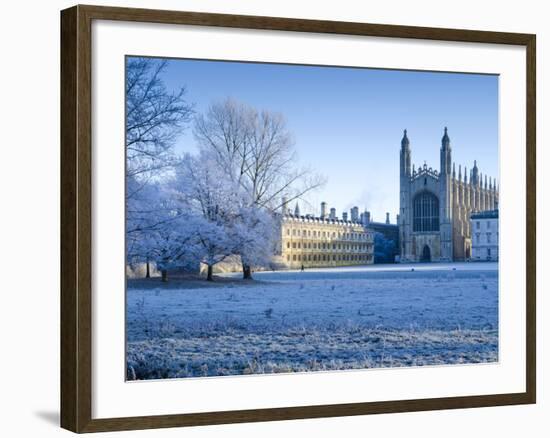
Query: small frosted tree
[164,234]
[255,236]
[214,244]
[203,190]
[144,218]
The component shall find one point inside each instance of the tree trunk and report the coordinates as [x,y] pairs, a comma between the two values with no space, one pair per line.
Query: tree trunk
[247,272]
[147,270]
[164,273]
[209,276]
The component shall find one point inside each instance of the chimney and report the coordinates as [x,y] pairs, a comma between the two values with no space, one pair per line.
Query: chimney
[387,218]
[355,214]
[323,210]
[366,218]
[345,216]
[333,213]
[284,205]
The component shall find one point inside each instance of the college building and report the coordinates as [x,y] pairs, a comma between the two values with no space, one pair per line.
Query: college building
[435,207]
[326,240]
[484,226]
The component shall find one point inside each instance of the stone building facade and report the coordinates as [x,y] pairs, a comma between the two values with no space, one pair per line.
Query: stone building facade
[435,206]
[484,226]
[324,241]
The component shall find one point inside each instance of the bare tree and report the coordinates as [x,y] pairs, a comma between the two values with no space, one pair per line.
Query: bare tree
[256,149]
[155,117]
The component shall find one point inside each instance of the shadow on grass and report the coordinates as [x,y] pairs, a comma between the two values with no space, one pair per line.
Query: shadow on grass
[189,281]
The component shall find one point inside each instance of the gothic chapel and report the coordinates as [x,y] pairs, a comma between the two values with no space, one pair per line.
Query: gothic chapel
[435,207]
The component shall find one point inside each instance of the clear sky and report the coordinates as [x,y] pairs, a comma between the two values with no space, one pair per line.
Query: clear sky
[348,123]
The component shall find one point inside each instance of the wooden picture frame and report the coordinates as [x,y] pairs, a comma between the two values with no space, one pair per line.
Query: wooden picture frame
[76,217]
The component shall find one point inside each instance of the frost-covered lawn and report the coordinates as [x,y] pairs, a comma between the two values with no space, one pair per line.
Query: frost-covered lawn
[320,319]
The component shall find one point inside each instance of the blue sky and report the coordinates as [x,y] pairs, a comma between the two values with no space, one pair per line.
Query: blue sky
[348,123]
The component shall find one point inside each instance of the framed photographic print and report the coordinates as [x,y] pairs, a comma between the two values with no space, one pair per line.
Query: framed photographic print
[270,218]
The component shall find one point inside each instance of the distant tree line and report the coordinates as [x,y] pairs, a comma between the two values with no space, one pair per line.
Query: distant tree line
[384,249]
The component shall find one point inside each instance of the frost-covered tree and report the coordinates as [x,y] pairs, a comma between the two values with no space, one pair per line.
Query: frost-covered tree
[204,192]
[214,244]
[256,152]
[142,220]
[220,202]
[255,234]
[154,118]
[163,234]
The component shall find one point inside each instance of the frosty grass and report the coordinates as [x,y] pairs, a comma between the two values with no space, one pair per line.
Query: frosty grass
[320,319]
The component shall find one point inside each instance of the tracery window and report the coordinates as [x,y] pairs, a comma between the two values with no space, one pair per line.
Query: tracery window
[425,212]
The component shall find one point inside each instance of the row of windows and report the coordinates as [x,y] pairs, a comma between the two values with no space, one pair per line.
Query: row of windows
[328,257]
[488,236]
[334,246]
[478,225]
[315,233]
[485,254]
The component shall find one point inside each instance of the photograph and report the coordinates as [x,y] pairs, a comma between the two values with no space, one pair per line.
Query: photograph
[292,218]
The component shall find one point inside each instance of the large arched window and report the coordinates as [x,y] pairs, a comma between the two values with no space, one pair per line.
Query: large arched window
[425,212]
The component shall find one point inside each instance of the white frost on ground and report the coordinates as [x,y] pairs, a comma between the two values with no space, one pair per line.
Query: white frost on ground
[319,319]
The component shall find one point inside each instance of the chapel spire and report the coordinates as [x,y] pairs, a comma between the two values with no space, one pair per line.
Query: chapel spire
[405,140]
[475,174]
[445,141]
[405,156]
[445,154]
